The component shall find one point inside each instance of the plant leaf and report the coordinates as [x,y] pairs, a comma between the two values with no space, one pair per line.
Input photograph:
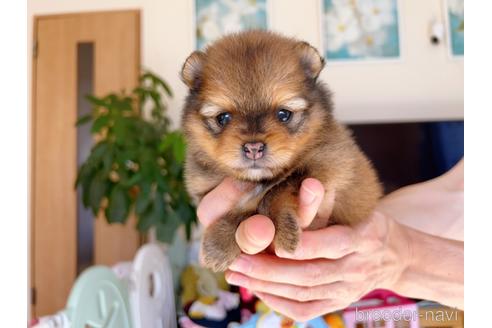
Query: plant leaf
[153,215]
[107,160]
[133,180]
[146,156]
[97,190]
[100,123]
[165,231]
[179,148]
[143,200]
[156,98]
[118,206]
[83,120]
[163,84]
[146,220]
[85,183]
[95,101]
[98,151]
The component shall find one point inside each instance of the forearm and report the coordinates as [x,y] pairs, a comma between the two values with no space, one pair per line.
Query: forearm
[434,270]
[434,207]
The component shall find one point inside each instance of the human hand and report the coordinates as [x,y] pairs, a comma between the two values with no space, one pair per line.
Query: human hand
[256,233]
[330,269]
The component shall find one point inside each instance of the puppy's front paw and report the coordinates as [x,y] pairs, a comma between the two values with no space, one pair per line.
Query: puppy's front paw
[286,231]
[219,247]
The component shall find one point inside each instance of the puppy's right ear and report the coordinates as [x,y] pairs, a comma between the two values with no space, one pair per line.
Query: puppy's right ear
[311,60]
[192,69]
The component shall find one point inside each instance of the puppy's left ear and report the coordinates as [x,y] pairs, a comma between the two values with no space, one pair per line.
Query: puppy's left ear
[192,69]
[311,60]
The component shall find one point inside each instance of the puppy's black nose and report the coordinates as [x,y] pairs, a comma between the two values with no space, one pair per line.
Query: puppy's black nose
[254,150]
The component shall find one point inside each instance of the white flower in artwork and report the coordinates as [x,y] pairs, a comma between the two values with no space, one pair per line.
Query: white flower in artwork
[224,16]
[209,29]
[369,45]
[242,7]
[207,22]
[341,26]
[231,22]
[375,14]
[457,7]
[342,3]
[209,12]
[236,9]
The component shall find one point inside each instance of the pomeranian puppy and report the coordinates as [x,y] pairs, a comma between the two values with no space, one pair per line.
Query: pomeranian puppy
[257,113]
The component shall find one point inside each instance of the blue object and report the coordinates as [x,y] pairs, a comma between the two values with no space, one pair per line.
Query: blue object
[444,147]
[313,323]
[318,323]
[456,34]
[251,323]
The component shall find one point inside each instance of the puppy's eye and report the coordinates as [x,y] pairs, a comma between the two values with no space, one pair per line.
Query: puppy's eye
[284,115]
[224,118]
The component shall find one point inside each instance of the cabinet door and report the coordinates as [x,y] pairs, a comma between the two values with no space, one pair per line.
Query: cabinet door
[75,54]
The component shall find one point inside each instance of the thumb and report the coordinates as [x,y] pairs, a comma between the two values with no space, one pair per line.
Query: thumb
[255,234]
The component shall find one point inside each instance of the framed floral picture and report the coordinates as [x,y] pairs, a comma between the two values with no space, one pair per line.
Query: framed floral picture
[455,12]
[360,30]
[215,18]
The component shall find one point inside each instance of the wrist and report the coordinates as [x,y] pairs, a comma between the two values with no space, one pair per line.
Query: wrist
[397,254]
[433,269]
[404,246]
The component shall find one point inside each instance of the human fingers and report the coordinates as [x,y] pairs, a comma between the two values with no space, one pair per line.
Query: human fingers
[338,290]
[220,200]
[255,234]
[306,273]
[311,195]
[333,242]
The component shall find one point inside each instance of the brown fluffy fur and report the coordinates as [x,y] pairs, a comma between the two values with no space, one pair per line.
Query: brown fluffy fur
[251,75]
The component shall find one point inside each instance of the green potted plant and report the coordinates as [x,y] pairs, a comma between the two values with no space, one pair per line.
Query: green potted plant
[136,163]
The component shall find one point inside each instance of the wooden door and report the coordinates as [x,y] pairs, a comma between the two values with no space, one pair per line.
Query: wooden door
[114,40]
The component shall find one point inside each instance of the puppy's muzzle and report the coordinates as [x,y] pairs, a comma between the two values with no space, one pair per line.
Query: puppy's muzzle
[254,150]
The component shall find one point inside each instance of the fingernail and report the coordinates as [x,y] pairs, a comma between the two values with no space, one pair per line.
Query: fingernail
[309,196]
[283,253]
[236,279]
[241,264]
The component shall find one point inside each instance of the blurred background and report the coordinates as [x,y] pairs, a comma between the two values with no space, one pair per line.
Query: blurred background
[106,99]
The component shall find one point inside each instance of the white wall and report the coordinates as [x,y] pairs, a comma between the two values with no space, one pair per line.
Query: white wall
[425,85]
